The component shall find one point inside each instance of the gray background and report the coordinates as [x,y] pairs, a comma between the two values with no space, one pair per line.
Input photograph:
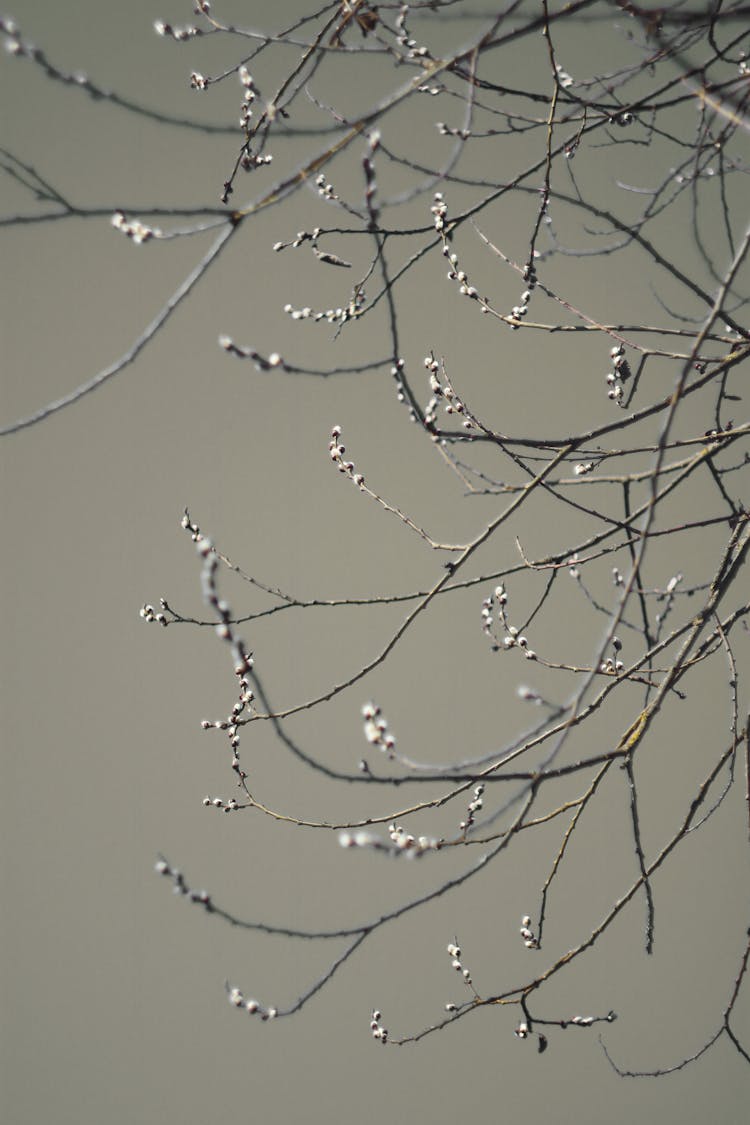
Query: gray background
[112,992]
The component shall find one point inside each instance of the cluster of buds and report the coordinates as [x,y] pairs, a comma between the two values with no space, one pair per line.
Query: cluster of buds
[623,118]
[226,724]
[14,44]
[582,468]
[612,665]
[620,375]
[248,97]
[461,276]
[231,726]
[472,809]
[179,886]
[442,391]
[198,81]
[403,841]
[179,34]
[325,190]
[454,952]
[499,597]
[513,638]
[148,613]
[336,451]
[324,256]
[519,311]
[451,131]
[589,1021]
[262,363]
[252,1007]
[399,842]
[250,160]
[332,316]
[187,525]
[219,803]
[563,77]
[411,49]
[134,228]
[438,211]
[376,728]
[377,1029]
[300,237]
[530,940]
